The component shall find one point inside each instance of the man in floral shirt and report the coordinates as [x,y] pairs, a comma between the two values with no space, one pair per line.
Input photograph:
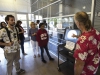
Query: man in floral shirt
[87,52]
[11,49]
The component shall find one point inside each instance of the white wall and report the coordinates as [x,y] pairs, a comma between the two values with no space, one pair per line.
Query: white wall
[15,6]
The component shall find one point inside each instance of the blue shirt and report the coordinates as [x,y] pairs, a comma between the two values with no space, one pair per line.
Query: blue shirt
[32,31]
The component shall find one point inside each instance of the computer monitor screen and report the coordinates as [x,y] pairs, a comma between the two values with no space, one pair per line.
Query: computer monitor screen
[69,33]
[75,26]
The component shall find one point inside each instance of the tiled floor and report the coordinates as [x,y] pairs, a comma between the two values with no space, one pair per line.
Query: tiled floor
[34,66]
[53,43]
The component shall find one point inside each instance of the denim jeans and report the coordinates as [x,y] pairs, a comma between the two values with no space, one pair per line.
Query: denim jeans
[22,45]
[42,51]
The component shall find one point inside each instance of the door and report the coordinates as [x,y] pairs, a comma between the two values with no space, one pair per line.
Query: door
[25,24]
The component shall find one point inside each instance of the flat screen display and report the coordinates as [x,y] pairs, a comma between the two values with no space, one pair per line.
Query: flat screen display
[75,27]
[69,33]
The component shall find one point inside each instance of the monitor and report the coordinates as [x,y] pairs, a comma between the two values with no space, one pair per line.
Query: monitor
[75,26]
[69,33]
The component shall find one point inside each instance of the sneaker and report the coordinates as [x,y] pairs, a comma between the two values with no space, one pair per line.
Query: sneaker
[44,61]
[24,53]
[34,56]
[20,72]
[38,55]
[51,59]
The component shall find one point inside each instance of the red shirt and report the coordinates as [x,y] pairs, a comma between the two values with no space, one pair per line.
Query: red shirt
[88,50]
[42,37]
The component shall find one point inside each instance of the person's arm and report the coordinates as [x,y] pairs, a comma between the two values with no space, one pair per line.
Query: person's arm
[47,36]
[29,32]
[22,30]
[77,36]
[17,29]
[78,67]
[38,38]
[36,31]
[80,55]
[6,44]
[34,34]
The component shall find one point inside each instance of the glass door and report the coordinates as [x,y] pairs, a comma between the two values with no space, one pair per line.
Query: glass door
[25,24]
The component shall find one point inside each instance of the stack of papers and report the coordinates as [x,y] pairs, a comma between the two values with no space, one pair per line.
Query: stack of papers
[70,45]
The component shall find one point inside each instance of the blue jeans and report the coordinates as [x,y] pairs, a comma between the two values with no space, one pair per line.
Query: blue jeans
[22,45]
[42,51]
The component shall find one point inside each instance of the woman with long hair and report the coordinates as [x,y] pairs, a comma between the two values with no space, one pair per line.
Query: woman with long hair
[3,25]
[21,35]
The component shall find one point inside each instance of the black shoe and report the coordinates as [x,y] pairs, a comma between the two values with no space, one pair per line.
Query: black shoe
[51,59]
[44,61]
[20,72]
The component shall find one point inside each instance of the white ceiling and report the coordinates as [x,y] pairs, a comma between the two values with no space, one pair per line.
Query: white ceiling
[15,6]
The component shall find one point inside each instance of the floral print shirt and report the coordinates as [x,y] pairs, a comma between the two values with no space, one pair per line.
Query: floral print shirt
[88,50]
[14,38]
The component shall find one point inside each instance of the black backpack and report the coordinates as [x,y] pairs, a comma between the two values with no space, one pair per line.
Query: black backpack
[8,33]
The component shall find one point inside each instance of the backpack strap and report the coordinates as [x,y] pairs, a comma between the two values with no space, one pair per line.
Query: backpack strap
[17,33]
[8,33]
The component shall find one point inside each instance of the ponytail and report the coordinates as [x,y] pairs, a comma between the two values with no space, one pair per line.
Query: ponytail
[84,18]
[88,24]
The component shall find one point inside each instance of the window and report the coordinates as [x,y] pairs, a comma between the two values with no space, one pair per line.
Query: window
[23,18]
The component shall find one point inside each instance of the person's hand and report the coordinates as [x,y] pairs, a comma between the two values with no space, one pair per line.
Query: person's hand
[74,35]
[10,43]
[19,41]
[33,34]
[22,31]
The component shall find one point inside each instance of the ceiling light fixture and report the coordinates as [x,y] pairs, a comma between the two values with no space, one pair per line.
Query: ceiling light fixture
[84,7]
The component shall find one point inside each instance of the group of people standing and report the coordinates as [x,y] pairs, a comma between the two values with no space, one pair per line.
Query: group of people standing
[21,33]
[39,38]
[86,54]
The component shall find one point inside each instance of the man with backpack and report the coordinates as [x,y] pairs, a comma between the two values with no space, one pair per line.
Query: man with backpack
[11,45]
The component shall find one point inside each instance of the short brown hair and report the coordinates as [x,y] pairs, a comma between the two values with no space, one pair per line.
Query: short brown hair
[7,18]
